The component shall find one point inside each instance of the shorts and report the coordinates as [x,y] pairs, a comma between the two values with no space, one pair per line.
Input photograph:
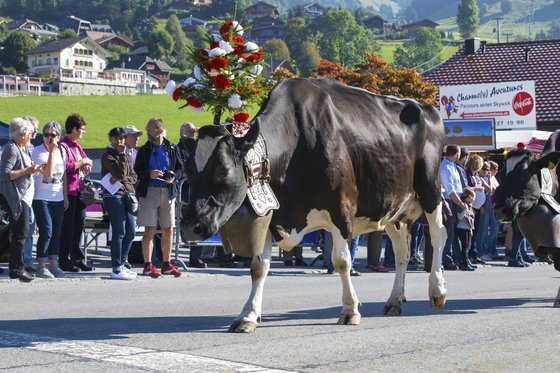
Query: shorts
[156,206]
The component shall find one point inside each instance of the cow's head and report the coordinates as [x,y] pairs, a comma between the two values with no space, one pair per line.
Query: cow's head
[216,179]
[519,188]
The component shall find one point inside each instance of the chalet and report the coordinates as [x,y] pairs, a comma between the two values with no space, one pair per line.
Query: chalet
[261,9]
[265,28]
[80,26]
[190,25]
[157,68]
[34,29]
[376,23]
[106,39]
[310,10]
[411,27]
[481,62]
[186,5]
[79,58]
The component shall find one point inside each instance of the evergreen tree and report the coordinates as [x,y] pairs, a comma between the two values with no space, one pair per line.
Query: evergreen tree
[308,58]
[425,46]
[467,18]
[174,28]
[13,53]
[277,49]
[160,44]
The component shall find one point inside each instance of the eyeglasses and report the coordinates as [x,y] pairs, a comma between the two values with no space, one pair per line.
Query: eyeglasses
[51,135]
[485,169]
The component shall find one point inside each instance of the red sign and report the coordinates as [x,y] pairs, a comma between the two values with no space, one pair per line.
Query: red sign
[486,114]
[523,103]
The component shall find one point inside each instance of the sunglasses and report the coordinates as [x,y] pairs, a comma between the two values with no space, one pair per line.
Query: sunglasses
[51,135]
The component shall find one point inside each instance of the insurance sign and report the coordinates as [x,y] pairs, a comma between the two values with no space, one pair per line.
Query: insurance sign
[510,104]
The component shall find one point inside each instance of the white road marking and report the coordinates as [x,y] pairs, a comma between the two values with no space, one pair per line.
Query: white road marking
[159,361]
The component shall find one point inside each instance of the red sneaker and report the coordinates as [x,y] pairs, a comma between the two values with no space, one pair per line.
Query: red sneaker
[170,269]
[151,271]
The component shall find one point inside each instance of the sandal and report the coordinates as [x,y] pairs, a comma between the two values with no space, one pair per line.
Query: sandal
[378,268]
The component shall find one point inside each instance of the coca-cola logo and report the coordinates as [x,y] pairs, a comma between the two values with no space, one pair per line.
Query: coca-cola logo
[523,103]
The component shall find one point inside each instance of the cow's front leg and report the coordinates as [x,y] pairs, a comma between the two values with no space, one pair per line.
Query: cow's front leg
[400,238]
[436,290]
[350,315]
[250,316]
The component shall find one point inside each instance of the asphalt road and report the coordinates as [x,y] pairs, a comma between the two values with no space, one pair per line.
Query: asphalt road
[496,319]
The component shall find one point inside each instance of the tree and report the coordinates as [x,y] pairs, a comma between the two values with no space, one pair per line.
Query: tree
[295,34]
[173,27]
[422,50]
[13,54]
[3,31]
[506,6]
[277,49]
[68,34]
[308,58]
[376,76]
[467,18]
[160,43]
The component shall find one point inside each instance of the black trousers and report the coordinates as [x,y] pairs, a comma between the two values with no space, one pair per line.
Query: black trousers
[72,227]
[19,232]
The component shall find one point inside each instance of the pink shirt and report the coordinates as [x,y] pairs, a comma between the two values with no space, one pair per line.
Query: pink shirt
[74,152]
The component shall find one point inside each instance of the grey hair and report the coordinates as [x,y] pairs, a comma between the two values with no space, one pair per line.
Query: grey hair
[19,127]
[34,121]
[54,124]
[157,122]
[188,125]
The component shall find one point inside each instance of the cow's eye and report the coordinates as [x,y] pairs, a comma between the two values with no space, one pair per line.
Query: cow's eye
[221,175]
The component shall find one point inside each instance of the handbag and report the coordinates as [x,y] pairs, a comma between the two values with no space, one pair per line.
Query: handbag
[131,203]
[88,193]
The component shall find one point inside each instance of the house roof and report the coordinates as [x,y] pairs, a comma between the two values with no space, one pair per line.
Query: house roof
[261,4]
[506,63]
[424,22]
[58,45]
[101,37]
[18,23]
[138,62]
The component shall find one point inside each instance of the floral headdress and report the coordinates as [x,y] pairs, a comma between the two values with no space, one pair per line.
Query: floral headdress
[226,75]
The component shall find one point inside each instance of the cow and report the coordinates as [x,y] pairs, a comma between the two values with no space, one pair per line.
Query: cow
[341,159]
[529,192]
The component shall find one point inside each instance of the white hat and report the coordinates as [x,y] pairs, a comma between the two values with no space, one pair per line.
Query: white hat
[132,130]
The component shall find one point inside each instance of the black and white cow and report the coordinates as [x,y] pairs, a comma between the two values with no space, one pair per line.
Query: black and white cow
[342,159]
[529,192]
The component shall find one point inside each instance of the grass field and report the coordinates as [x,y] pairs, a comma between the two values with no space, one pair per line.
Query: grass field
[104,112]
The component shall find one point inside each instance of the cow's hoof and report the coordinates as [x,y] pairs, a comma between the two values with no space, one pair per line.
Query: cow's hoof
[349,319]
[557,303]
[241,326]
[391,309]
[438,302]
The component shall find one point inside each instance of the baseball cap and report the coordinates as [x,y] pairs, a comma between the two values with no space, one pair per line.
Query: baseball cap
[132,130]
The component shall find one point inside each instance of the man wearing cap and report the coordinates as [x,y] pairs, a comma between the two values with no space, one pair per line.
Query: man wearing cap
[131,142]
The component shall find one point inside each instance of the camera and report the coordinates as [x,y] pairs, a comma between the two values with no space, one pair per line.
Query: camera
[168,175]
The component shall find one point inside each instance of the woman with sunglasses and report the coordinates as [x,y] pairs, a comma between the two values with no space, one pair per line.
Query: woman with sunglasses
[50,200]
[17,190]
[123,223]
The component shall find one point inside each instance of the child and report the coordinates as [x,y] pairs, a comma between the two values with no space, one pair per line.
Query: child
[465,226]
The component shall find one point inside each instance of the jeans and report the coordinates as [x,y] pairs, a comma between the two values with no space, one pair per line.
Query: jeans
[493,230]
[73,222]
[449,250]
[389,259]
[49,216]
[123,225]
[28,249]
[19,230]
[416,232]
[518,244]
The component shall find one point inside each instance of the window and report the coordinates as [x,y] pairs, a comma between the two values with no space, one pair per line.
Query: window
[67,62]
[55,60]
[76,51]
[48,61]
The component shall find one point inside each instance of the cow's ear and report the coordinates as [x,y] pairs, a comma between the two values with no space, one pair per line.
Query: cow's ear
[549,161]
[243,144]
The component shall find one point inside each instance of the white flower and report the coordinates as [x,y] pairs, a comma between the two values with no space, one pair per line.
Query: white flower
[256,69]
[237,28]
[216,52]
[197,109]
[226,46]
[213,72]
[234,101]
[251,47]
[197,72]
[170,87]
[215,37]
[189,81]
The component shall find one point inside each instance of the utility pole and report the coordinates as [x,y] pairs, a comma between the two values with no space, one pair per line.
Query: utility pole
[498,19]
[507,36]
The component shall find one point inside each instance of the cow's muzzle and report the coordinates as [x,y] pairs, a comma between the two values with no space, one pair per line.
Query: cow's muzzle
[192,230]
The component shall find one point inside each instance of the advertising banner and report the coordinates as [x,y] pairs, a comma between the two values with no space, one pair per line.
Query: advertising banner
[510,104]
[475,134]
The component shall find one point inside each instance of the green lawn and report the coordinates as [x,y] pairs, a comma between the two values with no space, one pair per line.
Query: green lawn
[104,112]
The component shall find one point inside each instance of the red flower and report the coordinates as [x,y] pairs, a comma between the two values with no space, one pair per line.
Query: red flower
[193,102]
[237,39]
[238,50]
[218,63]
[177,94]
[207,66]
[221,81]
[241,117]
[226,27]
[201,52]
[214,44]
[253,57]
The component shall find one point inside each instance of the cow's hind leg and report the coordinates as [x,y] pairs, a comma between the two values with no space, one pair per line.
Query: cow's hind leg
[340,257]
[250,316]
[436,290]
[400,238]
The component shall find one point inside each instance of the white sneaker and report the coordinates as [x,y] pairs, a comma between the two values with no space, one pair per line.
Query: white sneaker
[57,272]
[43,272]
[486,258]
[129,271]
[122,275]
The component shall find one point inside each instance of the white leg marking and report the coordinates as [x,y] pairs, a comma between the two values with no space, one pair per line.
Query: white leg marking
[436,290]
[340,257]
[204,150]
[132,357]
[251,313]
[401,246]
